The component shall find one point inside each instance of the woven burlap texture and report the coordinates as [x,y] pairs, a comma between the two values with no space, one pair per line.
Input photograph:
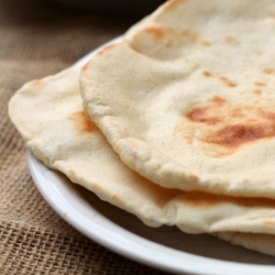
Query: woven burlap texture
[38,39]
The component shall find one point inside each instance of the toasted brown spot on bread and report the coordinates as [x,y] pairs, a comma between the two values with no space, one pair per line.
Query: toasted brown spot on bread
[218,100]
[235,135]
[227,81]
[82,122]
[190,34]
[206,43]
[199,114]
[207,74]
[269,223]
[268,71]
[229,38]
[157,32]
[204,114]
[37,82]
[230,125]
[258,92]
[262,125]
[259,83]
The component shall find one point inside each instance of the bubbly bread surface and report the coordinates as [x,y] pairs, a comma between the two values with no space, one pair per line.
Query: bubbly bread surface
[48,114]
[188,99]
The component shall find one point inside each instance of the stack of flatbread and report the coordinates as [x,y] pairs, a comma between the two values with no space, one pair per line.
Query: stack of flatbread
[174,123]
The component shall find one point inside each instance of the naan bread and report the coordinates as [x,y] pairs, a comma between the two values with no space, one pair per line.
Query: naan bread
[48,113]
[189,102]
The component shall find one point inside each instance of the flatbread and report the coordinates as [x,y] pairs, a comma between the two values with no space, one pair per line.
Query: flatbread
[48,114]
[188,100]
[263,243]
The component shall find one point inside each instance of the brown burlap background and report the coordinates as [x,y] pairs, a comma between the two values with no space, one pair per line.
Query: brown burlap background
[38,39]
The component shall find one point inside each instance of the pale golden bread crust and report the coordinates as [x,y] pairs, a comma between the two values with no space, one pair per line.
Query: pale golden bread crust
[187,101]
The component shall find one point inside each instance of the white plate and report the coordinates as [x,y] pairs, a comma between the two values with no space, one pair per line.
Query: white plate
[164,248]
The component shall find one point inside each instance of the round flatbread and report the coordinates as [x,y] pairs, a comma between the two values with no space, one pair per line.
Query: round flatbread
[48,113]
[187,100]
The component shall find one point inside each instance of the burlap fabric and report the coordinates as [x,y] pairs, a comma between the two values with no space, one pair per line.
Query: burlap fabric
[38,39]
